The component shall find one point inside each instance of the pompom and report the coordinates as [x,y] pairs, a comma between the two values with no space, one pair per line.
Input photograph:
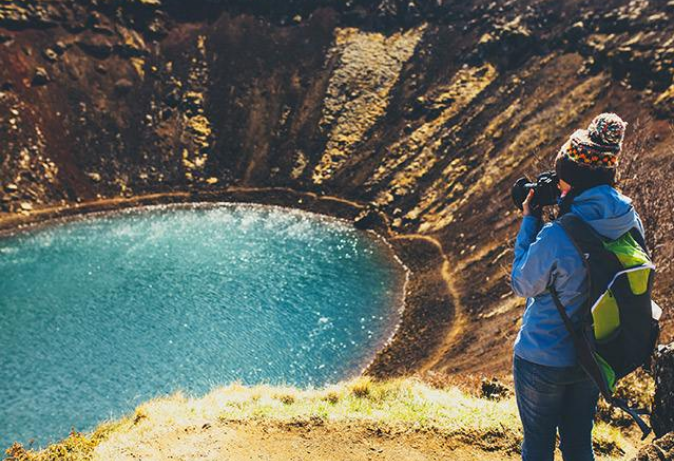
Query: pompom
[607,129]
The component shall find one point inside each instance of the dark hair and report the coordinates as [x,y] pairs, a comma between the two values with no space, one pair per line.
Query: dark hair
[583,177]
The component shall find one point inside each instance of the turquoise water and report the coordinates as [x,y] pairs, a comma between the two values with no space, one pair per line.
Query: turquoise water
[100,314]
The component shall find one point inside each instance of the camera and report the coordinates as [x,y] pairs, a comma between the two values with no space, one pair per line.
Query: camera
[545,190]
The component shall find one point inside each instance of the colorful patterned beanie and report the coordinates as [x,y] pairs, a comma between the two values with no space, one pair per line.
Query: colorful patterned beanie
[590,157]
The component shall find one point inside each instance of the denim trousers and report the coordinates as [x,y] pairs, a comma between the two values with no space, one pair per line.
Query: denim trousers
[555,397]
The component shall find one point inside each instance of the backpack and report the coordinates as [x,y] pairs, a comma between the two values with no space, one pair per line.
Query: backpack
[617,330]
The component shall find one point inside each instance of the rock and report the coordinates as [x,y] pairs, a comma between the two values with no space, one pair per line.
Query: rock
[157,28]
[387,11]
[131,51]
[50,55]
[27,175]
[507,44]
[100,24]
[95,177]
[150,3]
[59,47]
[10,188]
[370,218]
[75,27]
[165,114]
[172,98]
[96,46]
[493,389]
[132,44]
[660,450]
[664,103]
[662,419]
[123,86]
[658,18]
[26,206]
[575,33]
[663,404]
[41,77]
[192,101]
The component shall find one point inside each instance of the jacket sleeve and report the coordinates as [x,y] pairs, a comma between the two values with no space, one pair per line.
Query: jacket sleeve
[535,258]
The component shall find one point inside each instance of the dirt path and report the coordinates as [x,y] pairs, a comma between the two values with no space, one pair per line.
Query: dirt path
[459,322]
[264,441]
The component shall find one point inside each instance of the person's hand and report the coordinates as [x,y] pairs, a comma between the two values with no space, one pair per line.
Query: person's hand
[527,208]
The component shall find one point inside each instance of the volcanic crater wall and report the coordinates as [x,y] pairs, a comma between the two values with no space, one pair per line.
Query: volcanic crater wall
[426,110]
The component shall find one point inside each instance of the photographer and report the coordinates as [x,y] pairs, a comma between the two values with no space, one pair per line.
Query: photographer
[552,390]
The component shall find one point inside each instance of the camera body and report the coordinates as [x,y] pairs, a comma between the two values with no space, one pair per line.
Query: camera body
[545,190]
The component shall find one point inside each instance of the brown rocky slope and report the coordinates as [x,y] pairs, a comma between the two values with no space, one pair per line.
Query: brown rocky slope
[426,110]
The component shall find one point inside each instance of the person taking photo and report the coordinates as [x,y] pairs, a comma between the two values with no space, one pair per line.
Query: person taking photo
[552,391]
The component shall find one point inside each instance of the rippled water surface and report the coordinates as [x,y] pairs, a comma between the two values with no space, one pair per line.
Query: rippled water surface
[100,314]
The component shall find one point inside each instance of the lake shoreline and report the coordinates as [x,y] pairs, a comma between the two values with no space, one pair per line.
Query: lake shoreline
[428,312]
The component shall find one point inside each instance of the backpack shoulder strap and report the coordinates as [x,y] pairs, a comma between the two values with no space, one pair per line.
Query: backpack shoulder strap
[636,235]
[601,264]
[584,239]
[583,236]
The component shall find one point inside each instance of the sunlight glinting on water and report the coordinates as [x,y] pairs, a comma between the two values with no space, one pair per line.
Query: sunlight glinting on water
[102,313]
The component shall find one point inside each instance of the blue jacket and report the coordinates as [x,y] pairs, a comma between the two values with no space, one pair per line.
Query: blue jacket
[545,255]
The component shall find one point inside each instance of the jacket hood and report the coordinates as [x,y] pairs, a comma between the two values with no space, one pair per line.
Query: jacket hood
[609,212]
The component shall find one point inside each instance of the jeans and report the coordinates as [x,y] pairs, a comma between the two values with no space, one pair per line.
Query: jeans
[552,397]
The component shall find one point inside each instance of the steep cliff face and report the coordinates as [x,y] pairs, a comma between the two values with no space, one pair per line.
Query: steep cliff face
[428,110]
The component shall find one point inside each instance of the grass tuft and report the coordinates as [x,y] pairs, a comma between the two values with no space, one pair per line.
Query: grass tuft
[361,387]
[287,399]
[76,447]
[332,397]
[139,415]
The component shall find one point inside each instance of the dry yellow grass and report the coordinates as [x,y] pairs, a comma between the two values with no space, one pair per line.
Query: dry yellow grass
[402,405]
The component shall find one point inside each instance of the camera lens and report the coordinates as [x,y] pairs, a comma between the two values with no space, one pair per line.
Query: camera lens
[520,190]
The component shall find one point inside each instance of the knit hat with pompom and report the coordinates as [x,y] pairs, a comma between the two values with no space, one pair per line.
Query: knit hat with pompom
[590,157]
